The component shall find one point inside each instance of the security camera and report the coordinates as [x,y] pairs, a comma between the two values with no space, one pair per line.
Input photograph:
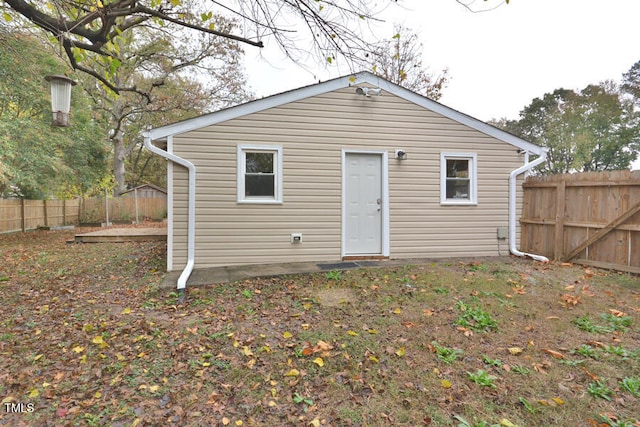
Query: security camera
[362,91]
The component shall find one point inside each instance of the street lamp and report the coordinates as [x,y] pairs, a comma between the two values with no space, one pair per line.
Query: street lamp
[60,98]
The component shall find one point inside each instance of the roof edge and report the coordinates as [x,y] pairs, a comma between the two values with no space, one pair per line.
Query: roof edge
[293,95]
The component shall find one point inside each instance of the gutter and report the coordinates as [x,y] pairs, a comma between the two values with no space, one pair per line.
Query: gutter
[191,212]
[512,206]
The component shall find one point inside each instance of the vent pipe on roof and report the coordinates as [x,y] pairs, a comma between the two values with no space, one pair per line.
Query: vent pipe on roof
[191,211]
[512,206]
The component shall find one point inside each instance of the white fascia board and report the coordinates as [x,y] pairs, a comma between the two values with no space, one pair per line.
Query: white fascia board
[249,108]
[340,83]
[452,114]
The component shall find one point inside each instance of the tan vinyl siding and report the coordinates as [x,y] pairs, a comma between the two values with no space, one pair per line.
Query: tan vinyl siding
[312,133]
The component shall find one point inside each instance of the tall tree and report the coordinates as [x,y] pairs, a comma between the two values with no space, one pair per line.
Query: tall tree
[93,29]
[164,65]
[38,160]
[631,83]
[590,130]
[399,60]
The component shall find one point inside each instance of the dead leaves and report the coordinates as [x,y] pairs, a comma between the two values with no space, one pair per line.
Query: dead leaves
[553,353]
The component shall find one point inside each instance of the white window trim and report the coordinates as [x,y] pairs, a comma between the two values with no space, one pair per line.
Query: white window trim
[473,174]
[241,168]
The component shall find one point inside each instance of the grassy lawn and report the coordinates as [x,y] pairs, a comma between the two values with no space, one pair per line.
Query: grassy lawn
[87,338]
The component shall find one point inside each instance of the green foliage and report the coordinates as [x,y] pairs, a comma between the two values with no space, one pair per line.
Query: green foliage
[587,351]
[482,378]
[520,370]
[444,354]
[493,362]
[589,130]
[599,389]
[631,385]
[38,160]
[613,323]
[335,275]
[475,318]
[584,323]
[464,423]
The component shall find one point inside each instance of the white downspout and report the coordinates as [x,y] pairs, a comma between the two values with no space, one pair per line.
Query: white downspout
[512,206]
[191,212]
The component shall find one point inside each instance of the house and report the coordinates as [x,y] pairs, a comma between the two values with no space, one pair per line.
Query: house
[351,168]
[146,191]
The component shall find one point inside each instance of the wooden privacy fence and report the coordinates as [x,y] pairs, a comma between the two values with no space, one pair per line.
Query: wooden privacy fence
[123,209]
[592,218]
[23,215]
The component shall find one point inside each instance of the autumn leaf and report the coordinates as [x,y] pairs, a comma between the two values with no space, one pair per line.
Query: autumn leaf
[286,335]
[397,311]
[445,383]
[506,423]
[519,289]
[617,313]
[77,349]
[590,375]
[352,333]
[571,300]
[99,341]
[127,310]
[515,350]
[318,361]
[374,359]
[401,352]
[292,373]
[553,353]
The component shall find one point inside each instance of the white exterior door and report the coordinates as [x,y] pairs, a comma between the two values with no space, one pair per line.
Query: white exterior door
[363,204]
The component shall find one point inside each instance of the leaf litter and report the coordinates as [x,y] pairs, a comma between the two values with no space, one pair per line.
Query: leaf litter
[88,337]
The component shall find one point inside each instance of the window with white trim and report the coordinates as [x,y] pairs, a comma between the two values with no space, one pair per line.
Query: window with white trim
[458,179]
[259,174]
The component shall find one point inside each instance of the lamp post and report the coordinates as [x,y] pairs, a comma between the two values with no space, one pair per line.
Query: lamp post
[60,98]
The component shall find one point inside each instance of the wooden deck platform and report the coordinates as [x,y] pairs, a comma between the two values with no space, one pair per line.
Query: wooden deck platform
[114,235]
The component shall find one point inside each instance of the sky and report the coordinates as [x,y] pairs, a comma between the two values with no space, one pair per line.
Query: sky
[499,60]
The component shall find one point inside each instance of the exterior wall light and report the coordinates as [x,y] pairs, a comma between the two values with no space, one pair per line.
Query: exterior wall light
[60,98]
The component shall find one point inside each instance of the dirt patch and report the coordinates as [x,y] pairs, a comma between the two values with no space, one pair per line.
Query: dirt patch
[335,297]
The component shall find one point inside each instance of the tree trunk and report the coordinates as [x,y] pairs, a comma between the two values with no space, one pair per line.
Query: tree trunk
[119,154]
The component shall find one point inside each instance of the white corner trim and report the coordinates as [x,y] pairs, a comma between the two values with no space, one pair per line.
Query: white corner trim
[241,168]
[385,199]
[170,194]
[473,175]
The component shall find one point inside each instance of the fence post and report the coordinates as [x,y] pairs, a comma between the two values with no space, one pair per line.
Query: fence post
[64,211]
[23,217]
[106,205]
[558,250]
[135,194]
[46,213]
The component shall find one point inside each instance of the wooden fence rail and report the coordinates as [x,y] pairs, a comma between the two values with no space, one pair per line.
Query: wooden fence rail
[591,218]
[23,215]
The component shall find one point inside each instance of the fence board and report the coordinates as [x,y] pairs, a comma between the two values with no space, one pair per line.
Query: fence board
[23,215]
[561,212]
[123,209]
